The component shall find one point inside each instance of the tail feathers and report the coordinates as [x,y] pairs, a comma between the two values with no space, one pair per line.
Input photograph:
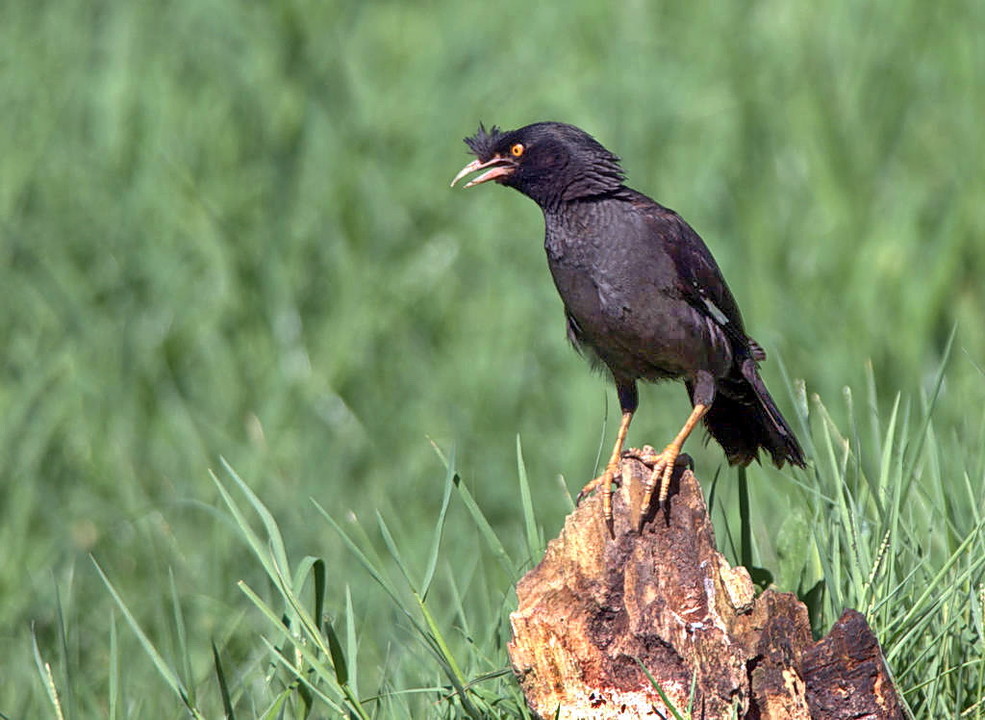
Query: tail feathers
[743,418]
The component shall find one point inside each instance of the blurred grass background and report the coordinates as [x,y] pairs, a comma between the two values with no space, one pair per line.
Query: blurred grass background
[225,230]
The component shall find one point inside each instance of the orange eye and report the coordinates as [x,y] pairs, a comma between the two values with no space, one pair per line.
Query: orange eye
[517,150]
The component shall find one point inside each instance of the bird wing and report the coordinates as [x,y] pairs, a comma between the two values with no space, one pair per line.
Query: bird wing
[700,281]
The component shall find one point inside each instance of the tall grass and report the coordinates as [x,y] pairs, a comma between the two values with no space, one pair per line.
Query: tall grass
[885,544]
[225,231]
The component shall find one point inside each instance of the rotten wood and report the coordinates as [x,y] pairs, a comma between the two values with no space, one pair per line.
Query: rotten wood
[598,607]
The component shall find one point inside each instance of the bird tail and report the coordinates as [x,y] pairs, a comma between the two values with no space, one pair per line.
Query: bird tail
[743,418]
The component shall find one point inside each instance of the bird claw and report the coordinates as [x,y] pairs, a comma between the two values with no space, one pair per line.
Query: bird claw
[662,469]
[612,474]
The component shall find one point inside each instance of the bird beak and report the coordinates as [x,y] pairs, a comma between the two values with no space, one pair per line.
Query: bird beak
[499,167]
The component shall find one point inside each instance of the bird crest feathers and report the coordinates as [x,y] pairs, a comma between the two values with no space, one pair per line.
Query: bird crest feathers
[483,143]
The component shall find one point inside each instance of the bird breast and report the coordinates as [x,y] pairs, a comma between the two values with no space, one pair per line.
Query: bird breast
[627,308]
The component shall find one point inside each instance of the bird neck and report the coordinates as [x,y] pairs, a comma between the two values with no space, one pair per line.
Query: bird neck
[576,211]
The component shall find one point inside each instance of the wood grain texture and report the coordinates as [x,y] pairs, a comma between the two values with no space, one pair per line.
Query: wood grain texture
[596,607]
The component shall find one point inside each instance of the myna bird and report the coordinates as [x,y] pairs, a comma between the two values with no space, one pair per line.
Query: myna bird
[642,295]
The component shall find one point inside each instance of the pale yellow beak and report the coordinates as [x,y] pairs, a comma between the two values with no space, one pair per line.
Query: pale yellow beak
[498,167]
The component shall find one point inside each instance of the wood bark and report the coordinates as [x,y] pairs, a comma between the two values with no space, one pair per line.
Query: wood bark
[599,608]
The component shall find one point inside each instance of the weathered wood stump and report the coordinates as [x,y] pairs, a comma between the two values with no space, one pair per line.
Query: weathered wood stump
[598,607]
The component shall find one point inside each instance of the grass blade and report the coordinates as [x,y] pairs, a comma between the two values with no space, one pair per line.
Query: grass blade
[227,703]
[47,678]
[166,672]
[183,652]
[439,527]
[663,696]
[303,649]
[485,529]
[394,550]
[114,668]
[338,657]
[533,534]
[351,643]
[269,523]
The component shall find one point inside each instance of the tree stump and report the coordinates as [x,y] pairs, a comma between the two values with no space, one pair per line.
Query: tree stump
[598,607]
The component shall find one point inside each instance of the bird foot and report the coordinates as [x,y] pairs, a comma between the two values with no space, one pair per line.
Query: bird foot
[662,466]
[612,474]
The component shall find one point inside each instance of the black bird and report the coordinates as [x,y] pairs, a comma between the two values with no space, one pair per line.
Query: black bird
[642,294]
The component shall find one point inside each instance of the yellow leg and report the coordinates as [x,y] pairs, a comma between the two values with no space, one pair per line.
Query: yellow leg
[663,464]
[612,470]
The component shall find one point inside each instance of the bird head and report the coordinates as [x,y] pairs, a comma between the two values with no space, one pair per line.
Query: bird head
[549,162]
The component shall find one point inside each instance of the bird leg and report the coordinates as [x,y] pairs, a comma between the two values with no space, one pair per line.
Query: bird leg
[663,463]
[612,471]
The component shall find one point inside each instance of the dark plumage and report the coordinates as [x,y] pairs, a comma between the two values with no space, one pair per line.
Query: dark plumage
[641,292]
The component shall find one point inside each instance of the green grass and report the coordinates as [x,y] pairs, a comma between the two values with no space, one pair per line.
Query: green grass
[226,232]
